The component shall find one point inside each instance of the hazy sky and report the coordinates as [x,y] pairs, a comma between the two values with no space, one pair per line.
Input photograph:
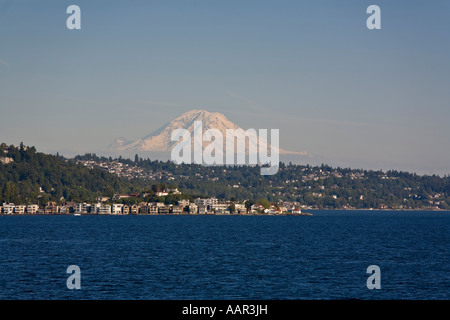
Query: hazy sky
[343,93]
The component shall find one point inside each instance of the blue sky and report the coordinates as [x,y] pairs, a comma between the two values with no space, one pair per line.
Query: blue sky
[347,95]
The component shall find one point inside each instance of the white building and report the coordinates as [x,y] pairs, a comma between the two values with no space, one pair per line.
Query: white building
[257,207]
[8,208]
[206,202]
[177,209]
[82,207]
[200,202]
[32,208]
[193,208]
[95,208]
[184,202]
[221,207]
[240,208]
[104,209]
[164,209]
[64,210]
[202,209]
[20,209]
[120,196]
[103,199]
[153,208]
[174,191]
[117,208]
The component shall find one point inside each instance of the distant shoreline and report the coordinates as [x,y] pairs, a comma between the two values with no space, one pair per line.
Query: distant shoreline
[156,215]
[305,214]
[422,209]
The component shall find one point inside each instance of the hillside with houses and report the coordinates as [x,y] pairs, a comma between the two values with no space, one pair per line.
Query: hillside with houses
[33,182]
[321,187]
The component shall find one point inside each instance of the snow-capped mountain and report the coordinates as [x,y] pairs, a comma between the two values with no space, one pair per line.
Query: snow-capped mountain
[160,140]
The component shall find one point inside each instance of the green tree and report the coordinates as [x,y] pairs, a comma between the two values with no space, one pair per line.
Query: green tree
[248,204]
[264,202]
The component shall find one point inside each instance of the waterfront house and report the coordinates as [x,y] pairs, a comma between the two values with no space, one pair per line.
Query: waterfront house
[64,210]
[220,207]
[51,208]
[32,208]
[20,209]
[289,207]
[153,208]
[206,202]
[104,209]
[134,209]
[82,207]
[70,207]
[143,208]
[255,208]
[177,209]
[202,209]
[126,209]
[193,208]
[117,208]
[92,208]
[8,208]
[164,210]
[79,208]
[240,208]
[95,208]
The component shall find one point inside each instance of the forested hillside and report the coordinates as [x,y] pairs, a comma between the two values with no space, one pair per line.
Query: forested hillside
[27,176]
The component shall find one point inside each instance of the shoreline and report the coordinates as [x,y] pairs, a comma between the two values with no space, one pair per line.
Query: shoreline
[421,209]
[225,214]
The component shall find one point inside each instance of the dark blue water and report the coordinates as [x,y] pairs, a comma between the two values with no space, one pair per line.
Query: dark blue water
[227,257]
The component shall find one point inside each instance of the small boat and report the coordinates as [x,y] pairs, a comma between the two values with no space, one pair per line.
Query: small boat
[77,214]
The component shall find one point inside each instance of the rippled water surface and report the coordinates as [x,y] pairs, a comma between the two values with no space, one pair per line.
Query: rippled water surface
[227,257]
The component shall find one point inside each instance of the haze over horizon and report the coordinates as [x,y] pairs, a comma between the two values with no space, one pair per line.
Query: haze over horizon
[349,96]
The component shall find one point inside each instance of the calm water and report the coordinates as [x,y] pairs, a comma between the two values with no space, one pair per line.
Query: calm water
[227,257]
